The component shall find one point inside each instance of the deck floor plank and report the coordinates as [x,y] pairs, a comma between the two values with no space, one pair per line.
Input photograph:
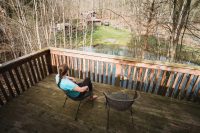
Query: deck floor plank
[39,110]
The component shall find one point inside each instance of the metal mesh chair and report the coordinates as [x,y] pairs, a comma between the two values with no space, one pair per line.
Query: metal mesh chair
[120,102]
[80,99]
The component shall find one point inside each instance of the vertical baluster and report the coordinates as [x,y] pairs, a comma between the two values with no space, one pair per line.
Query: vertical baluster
[144,79]
[140,75]
[44,66]
[118,74]
[93,70]
[147,81]
[60,59]
[102,72]
[29,74]
[84,68]
[53,62]
[88,68]
[8,84]
[190,86]
[40,67]
[56,62]
[183,85]
[72,67]
[152,81]
[158,81]
[75,66]
[32,71]
[97,71]
[37,70]
[24,76]
[64,59]
[68,64]
[19,79]
[113,74]
[49,63]
[106,73]
[14,82]
[3,90]
[110,73]
[124,76]
[141,78]
[130,77]
[134,78]
[80,68]
[176,84]
[196,89]
[162,84]
[169,84]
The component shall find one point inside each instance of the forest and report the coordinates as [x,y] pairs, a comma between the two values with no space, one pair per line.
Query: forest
[166,30]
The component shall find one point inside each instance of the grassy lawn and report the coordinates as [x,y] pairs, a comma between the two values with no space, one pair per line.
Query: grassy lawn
[109,35]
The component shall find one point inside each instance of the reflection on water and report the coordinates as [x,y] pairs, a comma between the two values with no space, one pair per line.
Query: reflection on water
[126,51]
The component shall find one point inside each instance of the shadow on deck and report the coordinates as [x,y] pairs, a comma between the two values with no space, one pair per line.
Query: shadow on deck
[39,110]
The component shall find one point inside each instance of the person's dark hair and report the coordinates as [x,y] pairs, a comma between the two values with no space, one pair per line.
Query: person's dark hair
[62,70]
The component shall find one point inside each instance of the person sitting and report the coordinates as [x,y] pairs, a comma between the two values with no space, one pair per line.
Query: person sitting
[69,84]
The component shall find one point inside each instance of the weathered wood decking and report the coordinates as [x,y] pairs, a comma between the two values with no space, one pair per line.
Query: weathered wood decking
[39,110]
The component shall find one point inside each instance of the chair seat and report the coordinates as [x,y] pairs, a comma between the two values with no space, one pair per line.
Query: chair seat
[79,98]
[119,101]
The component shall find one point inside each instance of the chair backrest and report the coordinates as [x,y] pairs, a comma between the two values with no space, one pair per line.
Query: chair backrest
[119,101]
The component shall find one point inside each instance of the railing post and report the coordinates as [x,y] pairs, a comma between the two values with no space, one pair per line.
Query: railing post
[48,60]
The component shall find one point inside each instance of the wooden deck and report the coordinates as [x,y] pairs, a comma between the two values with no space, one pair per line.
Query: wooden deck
[39,110]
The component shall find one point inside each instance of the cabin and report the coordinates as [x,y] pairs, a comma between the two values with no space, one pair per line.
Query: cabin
[91,17]
[30,100]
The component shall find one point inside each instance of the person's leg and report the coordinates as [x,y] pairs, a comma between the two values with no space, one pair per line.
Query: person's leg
[86,82]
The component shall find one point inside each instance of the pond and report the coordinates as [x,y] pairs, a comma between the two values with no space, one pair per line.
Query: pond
[128,52]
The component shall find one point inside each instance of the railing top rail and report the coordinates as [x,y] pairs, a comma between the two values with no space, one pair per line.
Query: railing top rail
[22,59]
[116,59]
[127,60]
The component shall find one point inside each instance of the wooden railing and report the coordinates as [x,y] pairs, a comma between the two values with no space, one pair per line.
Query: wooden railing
[18,75]
[171,80]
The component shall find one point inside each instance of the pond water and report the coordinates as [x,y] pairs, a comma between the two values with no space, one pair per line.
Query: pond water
[127,51]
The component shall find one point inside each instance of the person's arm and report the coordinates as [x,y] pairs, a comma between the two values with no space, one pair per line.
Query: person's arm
[71,78]
[81,89]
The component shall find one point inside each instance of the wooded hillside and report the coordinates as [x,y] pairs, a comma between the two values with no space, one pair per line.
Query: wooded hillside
[30,25]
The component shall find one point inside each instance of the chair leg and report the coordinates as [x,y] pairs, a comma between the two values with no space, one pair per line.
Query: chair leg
[131,114]
[106,104]
[64,102]
[108,110]
[77,111]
